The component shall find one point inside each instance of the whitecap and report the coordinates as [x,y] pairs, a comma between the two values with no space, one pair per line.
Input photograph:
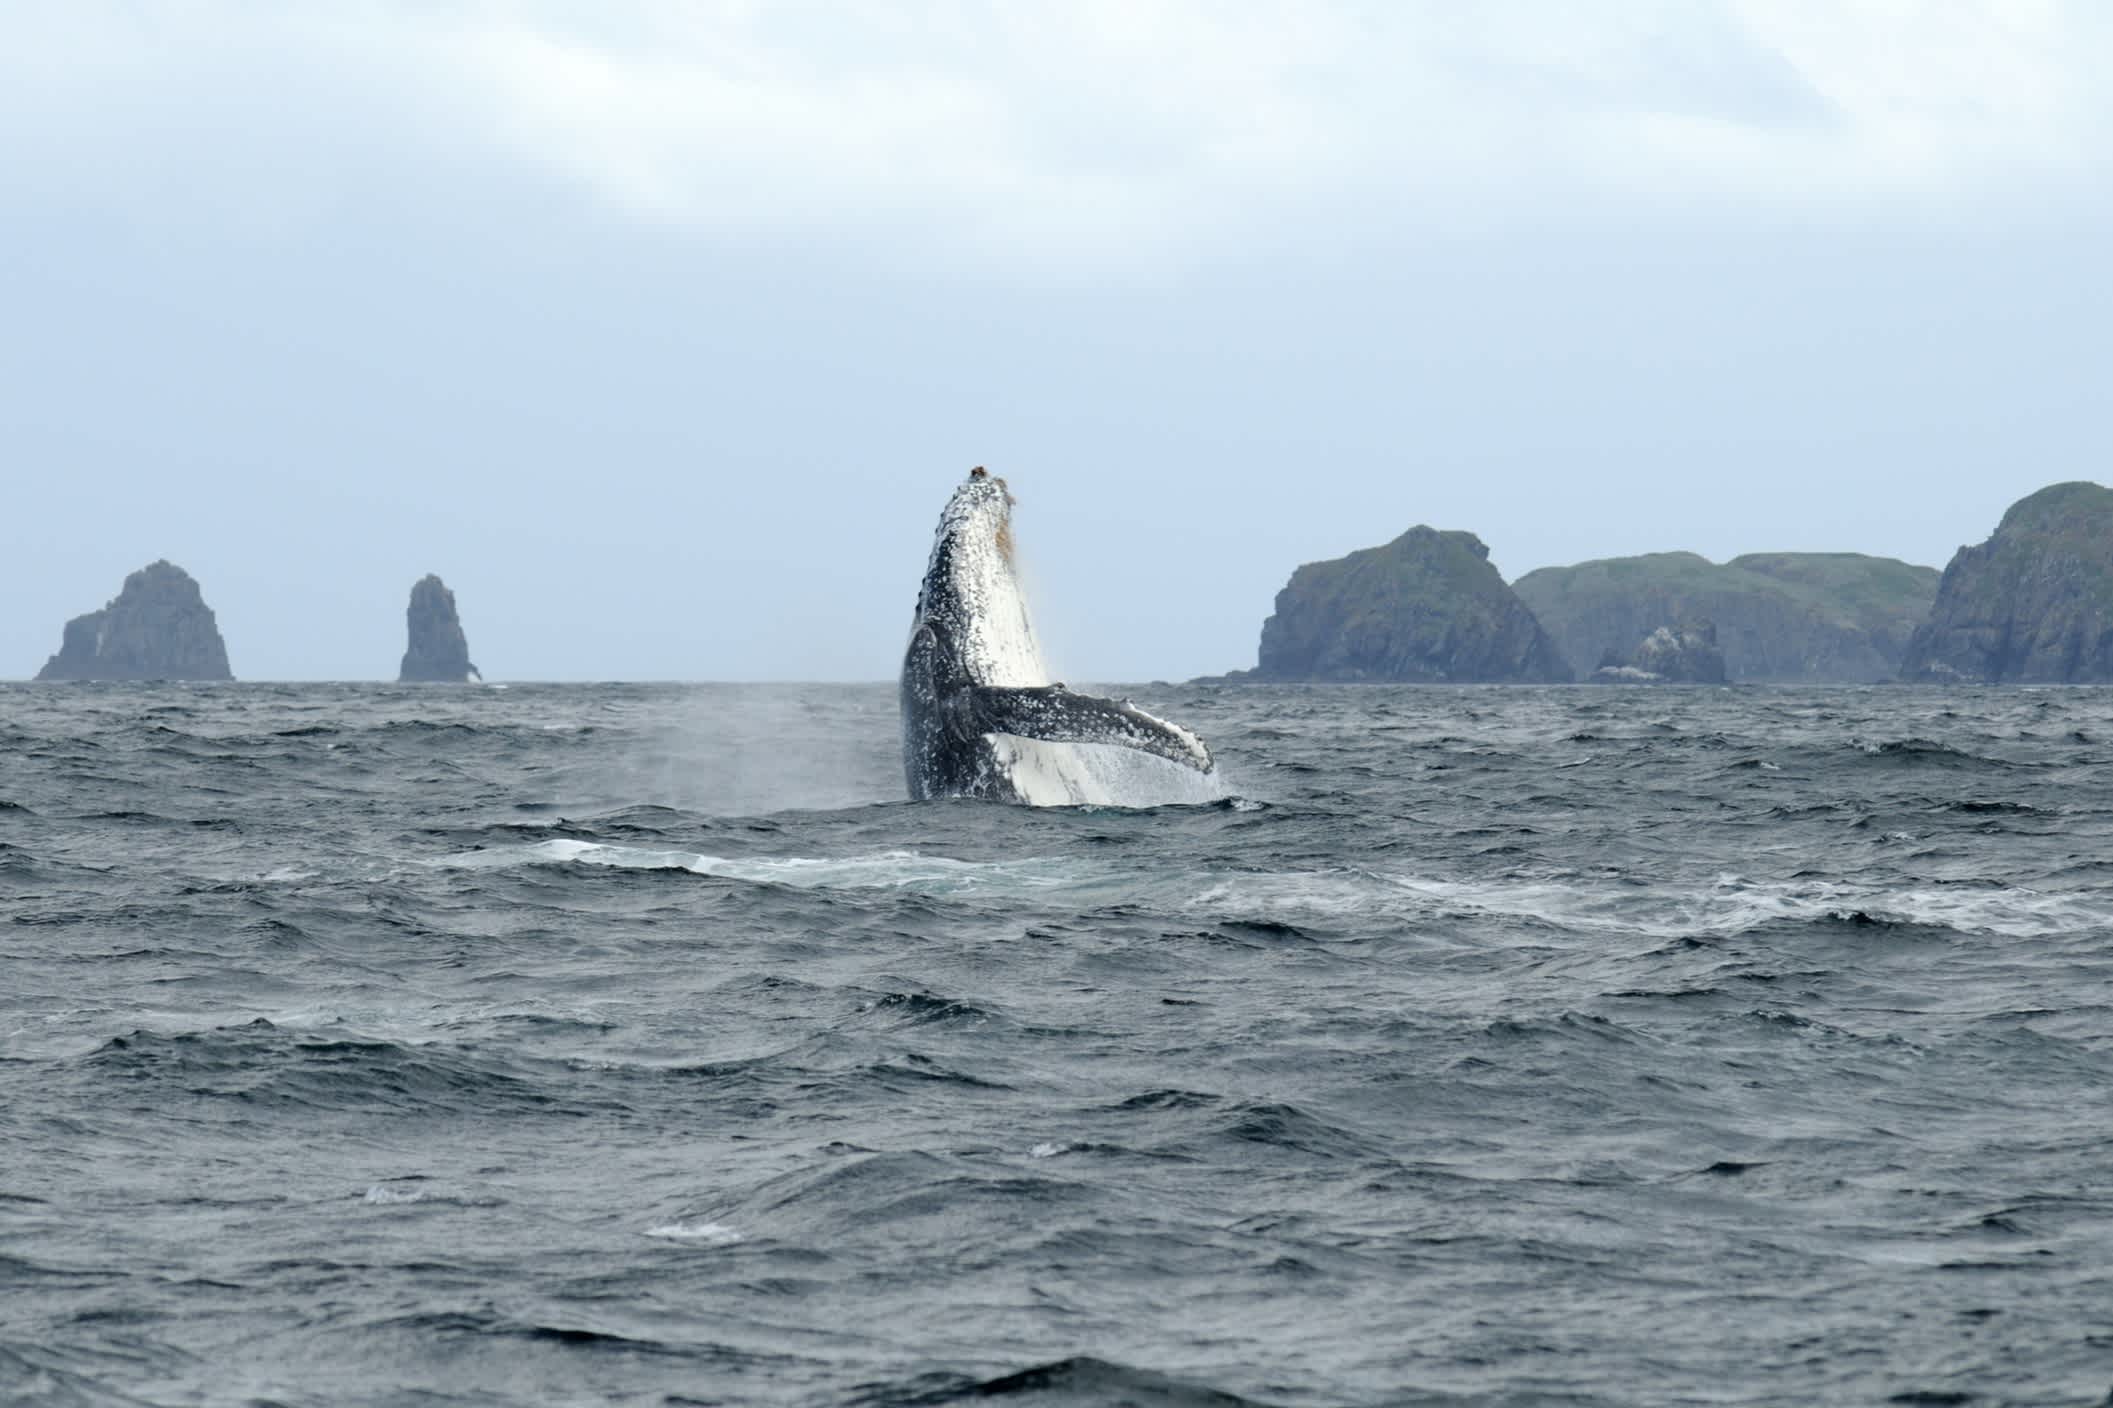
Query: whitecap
[710,1234]
[382,1193]
[1724,904]
[883,870]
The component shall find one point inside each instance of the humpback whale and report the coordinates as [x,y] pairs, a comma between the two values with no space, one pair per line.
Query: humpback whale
[977,700]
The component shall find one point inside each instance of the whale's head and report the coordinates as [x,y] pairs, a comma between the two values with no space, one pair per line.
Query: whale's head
[972,593]
[977,520]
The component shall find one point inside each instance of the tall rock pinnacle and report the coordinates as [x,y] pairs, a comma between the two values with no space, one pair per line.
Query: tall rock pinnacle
[438,653]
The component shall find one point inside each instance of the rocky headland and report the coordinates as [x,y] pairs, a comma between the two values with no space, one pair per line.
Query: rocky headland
[2033,604]
[1783,617]
[438,652]
[1684,654]
[157,628]
[1426,608]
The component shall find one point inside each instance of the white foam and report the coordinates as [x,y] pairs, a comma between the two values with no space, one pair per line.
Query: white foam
[710,1234]
[1732,904]
[884,870]
[381,1193]
[1048,1151]
[1721,905]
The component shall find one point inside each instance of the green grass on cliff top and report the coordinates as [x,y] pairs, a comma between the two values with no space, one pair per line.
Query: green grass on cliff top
[1844,586]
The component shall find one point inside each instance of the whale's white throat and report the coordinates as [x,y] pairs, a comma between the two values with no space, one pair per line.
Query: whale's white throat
[973,547]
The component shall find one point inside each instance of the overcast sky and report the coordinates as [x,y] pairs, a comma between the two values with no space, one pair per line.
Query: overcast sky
[662,328]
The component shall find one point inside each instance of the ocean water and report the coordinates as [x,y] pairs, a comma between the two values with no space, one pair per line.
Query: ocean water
[625,1044]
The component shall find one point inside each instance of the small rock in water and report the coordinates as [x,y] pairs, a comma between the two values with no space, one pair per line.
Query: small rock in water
[1686,654]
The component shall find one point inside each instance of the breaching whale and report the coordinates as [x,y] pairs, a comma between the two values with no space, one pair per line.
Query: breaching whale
[974,684]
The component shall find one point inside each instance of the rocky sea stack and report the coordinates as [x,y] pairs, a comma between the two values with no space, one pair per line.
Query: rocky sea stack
[158,628]
[438,652]
[1669,655]
[2033,604]
[1426,608]
[1786,617]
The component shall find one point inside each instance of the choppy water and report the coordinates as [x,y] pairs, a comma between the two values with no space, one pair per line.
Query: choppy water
[628,1044]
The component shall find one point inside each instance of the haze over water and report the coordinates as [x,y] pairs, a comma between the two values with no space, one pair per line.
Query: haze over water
[638,1045]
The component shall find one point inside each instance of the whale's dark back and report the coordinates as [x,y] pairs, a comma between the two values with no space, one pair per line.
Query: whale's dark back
[942,754]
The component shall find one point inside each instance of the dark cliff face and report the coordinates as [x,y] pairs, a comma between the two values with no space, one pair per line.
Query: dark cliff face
[1427,607]
[1787,617]
[2033,604]
[157,628]
[438,652]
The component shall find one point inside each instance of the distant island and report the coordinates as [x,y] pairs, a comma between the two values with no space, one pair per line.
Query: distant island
[1780,617]
[2033,604]
[1428,607]
[438,652]
[157,628]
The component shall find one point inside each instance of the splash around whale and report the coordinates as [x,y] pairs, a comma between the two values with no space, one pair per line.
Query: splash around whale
[980,715]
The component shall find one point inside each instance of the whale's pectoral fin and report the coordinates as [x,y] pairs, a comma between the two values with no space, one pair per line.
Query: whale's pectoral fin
[1053,713]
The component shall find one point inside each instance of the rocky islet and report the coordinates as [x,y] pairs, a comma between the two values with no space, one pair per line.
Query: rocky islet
[158,627]
[1428,607]
[1683,654]
[437,651]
